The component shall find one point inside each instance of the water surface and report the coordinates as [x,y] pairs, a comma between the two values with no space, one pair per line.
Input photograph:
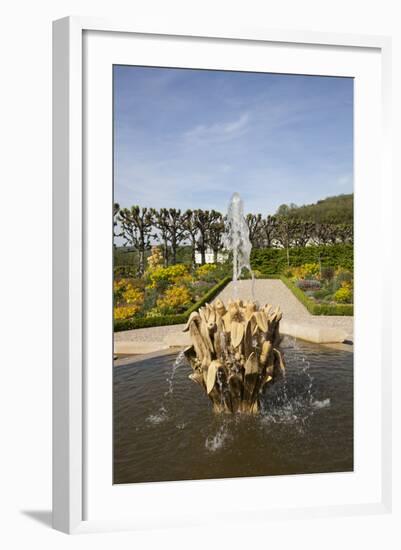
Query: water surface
[164,428]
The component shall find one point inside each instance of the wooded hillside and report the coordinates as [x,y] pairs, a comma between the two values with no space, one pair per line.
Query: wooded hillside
[338,209]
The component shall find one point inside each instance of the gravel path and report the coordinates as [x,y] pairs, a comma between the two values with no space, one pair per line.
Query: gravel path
[274,291]
[266,291]
[151,334]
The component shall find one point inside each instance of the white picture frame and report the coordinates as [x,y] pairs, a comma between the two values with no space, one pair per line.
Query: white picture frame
[70,284]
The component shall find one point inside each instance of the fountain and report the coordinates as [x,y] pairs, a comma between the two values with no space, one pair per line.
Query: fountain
[236,239]
[235,351]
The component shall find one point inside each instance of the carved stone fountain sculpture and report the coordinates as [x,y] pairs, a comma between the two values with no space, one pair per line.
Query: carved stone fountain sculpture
[235,353]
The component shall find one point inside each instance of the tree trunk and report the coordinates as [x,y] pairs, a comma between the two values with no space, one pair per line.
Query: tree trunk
[141,261]
[165,254]
[193,255]
[174,252]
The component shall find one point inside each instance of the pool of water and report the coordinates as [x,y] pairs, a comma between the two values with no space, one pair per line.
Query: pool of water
[164,428]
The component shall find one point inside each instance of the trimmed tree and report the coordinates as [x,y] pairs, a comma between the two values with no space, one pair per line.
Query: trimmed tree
[254,223]
[303,232]
[161,220]
[191,229]
[176,231]
[267,230]
[216,232]
[136,230]
[204,220]
[286,230]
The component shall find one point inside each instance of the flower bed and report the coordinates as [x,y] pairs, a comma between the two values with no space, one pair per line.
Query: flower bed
[162,320]
[164,295]
[312,306]
[323,291]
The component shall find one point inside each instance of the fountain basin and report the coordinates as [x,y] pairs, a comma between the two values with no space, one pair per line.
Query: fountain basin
[305,424]
[312,332]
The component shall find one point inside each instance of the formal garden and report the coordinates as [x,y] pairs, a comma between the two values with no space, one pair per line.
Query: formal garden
[168,294]
[161,273]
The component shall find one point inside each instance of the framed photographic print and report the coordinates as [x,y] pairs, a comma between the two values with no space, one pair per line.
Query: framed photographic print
[215,338]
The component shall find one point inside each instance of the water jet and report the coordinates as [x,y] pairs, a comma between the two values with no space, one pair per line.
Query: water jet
[235,351]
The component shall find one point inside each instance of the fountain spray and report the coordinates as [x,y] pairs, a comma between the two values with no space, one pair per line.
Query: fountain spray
[237,240]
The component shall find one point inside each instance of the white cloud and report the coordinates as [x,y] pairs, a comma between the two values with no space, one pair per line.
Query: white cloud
[345,179]
[220,131]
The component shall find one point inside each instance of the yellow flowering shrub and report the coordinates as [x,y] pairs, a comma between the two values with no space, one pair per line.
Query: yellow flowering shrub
[119,286]
[347,284]
[126,294]
[175,297]
[133,296]
[171,274]
[343,295]
[125,312]
[205,269]
[306,271]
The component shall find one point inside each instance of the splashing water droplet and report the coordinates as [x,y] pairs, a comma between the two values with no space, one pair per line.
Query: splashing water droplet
[321,404]
[180,359]
[216,442]
[163,413]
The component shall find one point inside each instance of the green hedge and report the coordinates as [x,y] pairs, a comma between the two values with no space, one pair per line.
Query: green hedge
[271,261]
[313,307]
[162,320]
[145,322]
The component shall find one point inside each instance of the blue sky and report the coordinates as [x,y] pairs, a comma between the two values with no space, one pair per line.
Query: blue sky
[190,138]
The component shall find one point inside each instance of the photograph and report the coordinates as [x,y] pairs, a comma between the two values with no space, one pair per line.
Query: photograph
[233,259]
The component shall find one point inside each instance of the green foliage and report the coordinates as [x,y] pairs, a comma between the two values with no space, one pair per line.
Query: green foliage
[125,271]
[209,295]
[271,261]
[162,320]
[213,272]
[204,270]
[150,300]
[323,294]
[338,209]
[184,255]
[344,276]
